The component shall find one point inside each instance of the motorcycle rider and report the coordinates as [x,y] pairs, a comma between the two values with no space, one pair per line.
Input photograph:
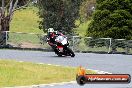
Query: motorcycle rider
[54,38]
[51,38]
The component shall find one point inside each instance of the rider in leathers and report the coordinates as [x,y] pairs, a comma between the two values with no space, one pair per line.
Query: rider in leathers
[51,39]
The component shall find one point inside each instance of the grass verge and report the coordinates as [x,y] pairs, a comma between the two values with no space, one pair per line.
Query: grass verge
[26,20]
[13,73]
[82,29]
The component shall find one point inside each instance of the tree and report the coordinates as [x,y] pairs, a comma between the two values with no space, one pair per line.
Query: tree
[20,2]
[7,9]
[59,14]
[86,9]
[112,18]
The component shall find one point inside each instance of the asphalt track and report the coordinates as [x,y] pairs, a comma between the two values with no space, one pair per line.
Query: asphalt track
[113,63]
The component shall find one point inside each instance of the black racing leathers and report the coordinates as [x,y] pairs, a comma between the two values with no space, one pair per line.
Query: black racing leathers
[51,41]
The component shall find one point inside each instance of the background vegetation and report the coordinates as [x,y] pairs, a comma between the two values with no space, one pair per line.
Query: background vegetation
[112,18]
[26,20]
[59,14]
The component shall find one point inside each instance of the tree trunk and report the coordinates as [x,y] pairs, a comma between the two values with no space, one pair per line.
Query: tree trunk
[5,19]
[4,26]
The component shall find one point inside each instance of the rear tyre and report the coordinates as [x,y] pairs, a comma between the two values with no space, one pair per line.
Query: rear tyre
[59,54]
[70,52]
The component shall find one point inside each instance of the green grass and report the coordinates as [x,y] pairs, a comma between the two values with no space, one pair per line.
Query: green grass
[26,20]
[19,38]
[13,73]
[30,40]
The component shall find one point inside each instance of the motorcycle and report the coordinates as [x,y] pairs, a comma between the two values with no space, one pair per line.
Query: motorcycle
[62,46]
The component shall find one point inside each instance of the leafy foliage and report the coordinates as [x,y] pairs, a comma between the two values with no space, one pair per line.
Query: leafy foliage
[112,18]
[86,9]
[59,14]
[20,2]
[7,9]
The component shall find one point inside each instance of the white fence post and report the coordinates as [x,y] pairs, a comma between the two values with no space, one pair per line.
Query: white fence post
[110,45]
[6,36]
[73,43]
[127,47]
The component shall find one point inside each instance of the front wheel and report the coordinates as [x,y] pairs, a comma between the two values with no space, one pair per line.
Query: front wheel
[59,54]
[70,52]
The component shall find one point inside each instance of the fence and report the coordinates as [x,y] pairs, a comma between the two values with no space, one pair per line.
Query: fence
[102,45]
[77,43]
[27,40]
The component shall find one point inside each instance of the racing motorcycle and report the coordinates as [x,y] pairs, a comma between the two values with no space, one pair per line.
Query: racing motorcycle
[62,46]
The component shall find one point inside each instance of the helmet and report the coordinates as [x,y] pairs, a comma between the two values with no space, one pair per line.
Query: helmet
[50,30]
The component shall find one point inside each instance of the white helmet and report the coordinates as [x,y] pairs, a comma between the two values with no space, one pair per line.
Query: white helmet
[50,30]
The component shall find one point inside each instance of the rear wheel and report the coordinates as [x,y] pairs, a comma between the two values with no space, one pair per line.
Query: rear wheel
[70,52]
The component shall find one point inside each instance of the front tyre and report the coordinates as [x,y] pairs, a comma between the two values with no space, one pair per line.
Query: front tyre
[70,52]
[60,55]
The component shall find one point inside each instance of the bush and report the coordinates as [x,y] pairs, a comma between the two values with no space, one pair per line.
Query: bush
[112,18]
